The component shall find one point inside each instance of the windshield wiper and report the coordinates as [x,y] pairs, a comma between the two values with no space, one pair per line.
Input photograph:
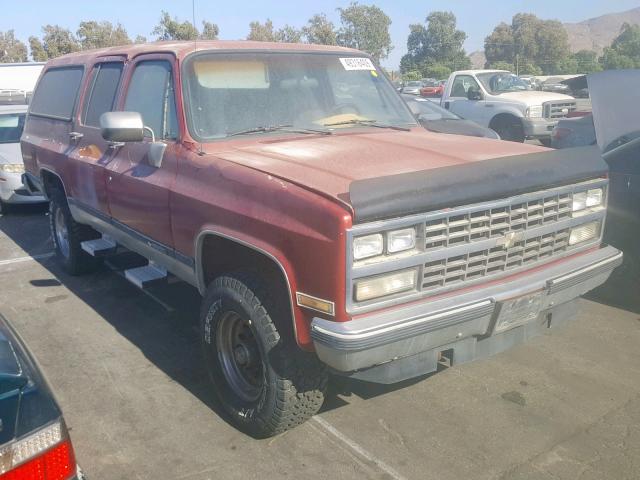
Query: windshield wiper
[276,128]
[368,123]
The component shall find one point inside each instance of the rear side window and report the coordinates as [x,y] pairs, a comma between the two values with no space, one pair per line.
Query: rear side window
[57,92]
[150,93]
[102,96]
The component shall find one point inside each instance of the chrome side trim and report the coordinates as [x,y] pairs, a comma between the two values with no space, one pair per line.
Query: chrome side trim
[139,243]
[199,270]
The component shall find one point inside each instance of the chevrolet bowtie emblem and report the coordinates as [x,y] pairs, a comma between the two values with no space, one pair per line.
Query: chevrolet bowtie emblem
[510,239]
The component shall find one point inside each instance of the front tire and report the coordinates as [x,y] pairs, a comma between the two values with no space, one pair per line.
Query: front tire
[509,128]
[265,383]
[67,236]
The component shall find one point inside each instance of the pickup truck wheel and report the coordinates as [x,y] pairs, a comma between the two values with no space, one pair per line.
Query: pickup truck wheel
[509,128]
[266,384]
[67,235]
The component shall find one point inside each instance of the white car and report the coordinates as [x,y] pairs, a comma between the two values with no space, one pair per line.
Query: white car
[503,102]
[12,191]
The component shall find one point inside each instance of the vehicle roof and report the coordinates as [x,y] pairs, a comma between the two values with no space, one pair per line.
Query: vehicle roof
[183,48]
[13,108]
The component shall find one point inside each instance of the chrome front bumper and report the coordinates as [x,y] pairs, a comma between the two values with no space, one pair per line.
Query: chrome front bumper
[397,344]
[538,127]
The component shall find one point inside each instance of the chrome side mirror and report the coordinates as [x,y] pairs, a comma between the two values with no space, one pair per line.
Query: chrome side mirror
[121,127]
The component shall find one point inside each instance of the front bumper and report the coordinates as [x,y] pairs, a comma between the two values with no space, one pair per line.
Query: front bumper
[538,127]
[12,190]
[394,345]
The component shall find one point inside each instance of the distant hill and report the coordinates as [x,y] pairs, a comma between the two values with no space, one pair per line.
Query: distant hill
[593,34]
[597,33]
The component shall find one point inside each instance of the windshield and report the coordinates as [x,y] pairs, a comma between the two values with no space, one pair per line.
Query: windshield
[249,93]
[501,82]
[11,125]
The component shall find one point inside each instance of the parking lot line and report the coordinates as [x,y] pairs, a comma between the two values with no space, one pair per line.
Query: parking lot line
[27,259]
[358,449]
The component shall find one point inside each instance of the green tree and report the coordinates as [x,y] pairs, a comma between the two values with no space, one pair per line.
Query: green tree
[501,65]
[38,53]
[92,34]
[625,49]
[320,30]
[438,43]
[210,31]
[437,71]
[173,29]
[170,28]
[529,41]
[140,39]
[261,32]
[499,45]
[587,61]
[289,34]
[55,41]
[11,49]
[366,28]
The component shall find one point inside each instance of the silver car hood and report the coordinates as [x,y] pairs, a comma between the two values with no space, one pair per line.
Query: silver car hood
[10,153]
[615,100]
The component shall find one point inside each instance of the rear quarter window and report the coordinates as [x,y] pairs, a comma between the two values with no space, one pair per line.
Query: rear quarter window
[56,93]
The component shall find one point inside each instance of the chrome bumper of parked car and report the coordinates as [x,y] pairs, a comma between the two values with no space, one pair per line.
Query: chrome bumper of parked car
[394,345]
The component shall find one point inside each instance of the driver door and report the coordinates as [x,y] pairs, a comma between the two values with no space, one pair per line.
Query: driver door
[459,103]
[138,193]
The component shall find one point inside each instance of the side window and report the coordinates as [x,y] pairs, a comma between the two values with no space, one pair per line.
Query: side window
[151,94]
[57,92]
[102,94]
[462,84]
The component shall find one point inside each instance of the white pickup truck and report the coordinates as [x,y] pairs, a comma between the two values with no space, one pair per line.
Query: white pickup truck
[501,101]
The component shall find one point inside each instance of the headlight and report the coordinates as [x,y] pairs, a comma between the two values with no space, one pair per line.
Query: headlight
[584,233]
[12,167]
[367,246]
[534,111]
[382,286]
[588,199]
[401,240]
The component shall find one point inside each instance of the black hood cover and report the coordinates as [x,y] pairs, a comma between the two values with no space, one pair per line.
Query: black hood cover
[429,190]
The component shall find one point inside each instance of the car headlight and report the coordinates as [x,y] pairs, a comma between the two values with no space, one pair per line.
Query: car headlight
[590,198]
[534,111]
[583,233]
[12,167]
[368,246]
[382,286]
[401,240]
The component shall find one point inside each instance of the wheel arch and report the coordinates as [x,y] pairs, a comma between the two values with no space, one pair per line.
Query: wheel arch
[49,180]
[505,114]
[214,256]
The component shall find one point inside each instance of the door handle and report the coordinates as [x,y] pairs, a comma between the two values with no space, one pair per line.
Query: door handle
[75,136]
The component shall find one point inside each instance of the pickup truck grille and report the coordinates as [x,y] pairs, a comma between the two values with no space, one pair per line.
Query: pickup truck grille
[475,243]
[556,110]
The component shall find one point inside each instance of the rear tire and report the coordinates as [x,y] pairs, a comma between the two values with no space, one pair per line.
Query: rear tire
[265,383]
[546,142]
[509,128]
[67,236]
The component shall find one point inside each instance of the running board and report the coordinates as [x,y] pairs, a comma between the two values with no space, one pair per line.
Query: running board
[146,276]
[100,247]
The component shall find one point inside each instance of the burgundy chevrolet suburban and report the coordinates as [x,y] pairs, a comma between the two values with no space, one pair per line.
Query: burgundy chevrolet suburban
[325,230]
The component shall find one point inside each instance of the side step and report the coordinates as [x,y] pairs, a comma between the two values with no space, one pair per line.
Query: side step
[100,247]
[146,276]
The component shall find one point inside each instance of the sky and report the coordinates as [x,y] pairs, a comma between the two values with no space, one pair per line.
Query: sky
[475,17]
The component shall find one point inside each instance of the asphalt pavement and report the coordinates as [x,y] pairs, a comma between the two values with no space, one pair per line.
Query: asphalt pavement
[126,369]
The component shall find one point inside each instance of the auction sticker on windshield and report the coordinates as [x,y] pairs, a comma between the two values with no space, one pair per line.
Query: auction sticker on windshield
[357,63]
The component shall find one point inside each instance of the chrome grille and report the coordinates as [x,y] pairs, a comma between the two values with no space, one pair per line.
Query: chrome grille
[481,263]
[494,222]
[558,109]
